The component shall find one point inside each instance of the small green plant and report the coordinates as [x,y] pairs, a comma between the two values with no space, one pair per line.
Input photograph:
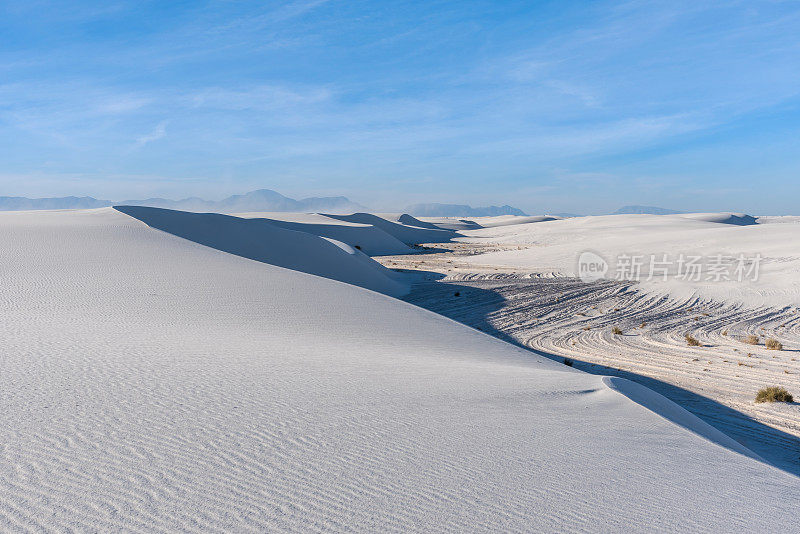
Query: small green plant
[751,340]
[692,341]
[774,394]
[773,344]
[616,331]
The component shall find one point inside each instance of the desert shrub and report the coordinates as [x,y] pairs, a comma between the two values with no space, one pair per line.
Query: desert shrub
[751,339]
[774,394]
[773,344]
[692,341]
[616,331]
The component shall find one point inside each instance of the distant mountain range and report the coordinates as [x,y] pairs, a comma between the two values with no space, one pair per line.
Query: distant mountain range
[644,210]
[23,203]
[460,210]
[260,200]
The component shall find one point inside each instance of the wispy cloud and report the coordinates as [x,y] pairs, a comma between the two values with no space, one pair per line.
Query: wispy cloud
[262,97]
[296,9]
[159,132]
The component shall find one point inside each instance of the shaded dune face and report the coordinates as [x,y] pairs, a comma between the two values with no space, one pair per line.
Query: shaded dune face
[259,240]
[365,237]
[736,219]
[409,235]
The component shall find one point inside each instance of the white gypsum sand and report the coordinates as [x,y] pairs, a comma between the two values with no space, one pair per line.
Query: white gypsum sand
[154,384]
[365,237]
[515,283]
[554,246]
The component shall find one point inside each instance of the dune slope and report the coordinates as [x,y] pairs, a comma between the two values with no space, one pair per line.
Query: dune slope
[399,228]
[262,240]
[155,384]
[366,237]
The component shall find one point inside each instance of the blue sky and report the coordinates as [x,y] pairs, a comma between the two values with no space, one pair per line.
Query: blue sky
[548,106]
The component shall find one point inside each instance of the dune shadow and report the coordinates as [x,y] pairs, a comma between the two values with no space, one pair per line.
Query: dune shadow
[474,307]
[257,239]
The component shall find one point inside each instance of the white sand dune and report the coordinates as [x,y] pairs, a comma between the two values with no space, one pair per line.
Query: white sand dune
[154,384]
[775,219]
[365,237]
[452,223]
[741,219]
[399,227]
[555,246]
[407,220]
[262,240]
[474,223]
[509,220]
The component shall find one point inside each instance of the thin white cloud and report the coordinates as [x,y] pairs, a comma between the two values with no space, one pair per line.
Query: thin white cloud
[296,9]
[264,97]
[122,104]
[159,132]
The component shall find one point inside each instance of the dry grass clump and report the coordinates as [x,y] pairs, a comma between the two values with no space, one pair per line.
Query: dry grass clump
[692,341]
[751,340]
[774,394]
[616,331]
[773,344]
